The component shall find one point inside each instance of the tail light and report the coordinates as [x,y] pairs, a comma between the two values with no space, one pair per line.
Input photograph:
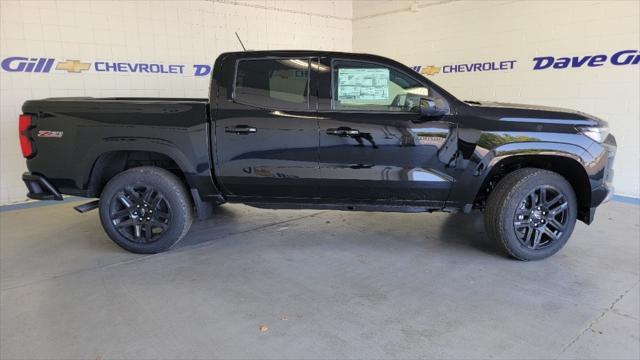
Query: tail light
[24,125]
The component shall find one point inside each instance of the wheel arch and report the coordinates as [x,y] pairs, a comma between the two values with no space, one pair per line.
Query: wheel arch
[110,163]
[569,166]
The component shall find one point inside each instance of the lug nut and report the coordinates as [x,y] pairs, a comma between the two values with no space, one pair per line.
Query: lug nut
[520,217]
[148,218]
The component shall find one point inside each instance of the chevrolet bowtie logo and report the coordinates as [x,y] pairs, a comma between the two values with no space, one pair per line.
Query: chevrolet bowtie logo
[430,70]
[74,66]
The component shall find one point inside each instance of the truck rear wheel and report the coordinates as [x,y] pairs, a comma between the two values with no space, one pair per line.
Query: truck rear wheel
[145,209]
[531,213]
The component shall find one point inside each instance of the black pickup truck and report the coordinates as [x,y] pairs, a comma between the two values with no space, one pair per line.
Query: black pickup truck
[317,129]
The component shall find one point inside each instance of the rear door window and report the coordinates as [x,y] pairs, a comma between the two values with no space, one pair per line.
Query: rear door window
[273,83]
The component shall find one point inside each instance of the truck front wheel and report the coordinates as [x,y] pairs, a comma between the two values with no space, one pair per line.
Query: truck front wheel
[531,213]
[146,209]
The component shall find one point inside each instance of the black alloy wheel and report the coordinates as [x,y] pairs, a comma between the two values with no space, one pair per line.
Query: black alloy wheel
[140,213]
[146,209]
[531,213]
[542,217]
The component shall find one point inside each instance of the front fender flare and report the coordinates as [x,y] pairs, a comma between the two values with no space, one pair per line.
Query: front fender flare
[466,189]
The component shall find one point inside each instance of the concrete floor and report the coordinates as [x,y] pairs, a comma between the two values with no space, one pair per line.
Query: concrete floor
[327,284]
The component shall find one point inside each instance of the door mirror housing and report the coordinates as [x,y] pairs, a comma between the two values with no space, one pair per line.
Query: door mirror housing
[429,107]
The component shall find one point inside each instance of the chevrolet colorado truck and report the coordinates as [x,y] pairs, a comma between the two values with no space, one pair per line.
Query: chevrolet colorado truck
[319,130]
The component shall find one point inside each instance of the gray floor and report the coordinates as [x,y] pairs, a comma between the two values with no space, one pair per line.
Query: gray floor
[327,284]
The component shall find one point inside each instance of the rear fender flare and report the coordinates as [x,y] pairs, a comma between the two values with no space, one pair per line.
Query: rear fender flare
[197,172]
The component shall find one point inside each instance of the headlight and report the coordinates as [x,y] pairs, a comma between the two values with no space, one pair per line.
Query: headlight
[597,134]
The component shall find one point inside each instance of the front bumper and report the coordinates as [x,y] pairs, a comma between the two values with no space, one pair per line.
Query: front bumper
[40,188]
[600,176]
[604,192]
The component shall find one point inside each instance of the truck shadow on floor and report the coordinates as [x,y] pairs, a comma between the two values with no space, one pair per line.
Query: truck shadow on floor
[448,230]
[468,230]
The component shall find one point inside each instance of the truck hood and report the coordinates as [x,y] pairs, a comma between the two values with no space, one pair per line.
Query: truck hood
[534,113]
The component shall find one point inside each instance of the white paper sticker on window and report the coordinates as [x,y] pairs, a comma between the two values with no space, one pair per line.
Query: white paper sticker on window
[363,84]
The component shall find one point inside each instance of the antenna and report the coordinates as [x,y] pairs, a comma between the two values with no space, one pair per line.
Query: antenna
[241,44]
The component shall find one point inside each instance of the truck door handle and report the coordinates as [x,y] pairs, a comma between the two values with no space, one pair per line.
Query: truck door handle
[240,129]
[343,132]
[361,166]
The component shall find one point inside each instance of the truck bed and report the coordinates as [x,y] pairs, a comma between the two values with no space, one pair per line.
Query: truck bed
[71,134]
[128,99]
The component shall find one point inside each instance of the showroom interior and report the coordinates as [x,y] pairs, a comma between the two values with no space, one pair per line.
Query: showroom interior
[318,283]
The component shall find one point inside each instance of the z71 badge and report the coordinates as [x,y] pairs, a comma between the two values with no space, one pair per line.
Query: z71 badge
[50,134]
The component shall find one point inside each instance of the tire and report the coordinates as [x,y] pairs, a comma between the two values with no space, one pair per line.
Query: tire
[525,227]
[146,210]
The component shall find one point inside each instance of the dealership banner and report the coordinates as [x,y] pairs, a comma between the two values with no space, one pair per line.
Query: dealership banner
[618,58]
[23,64]
[45,65]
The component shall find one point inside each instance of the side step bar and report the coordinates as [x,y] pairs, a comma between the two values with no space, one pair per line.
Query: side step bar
[87,207]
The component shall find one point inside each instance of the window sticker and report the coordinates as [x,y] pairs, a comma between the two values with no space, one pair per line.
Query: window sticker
[363,84]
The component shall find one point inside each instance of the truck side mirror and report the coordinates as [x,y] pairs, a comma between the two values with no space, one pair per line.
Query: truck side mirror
[430,108]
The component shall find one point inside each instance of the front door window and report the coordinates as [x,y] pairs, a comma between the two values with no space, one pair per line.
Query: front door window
[365,86]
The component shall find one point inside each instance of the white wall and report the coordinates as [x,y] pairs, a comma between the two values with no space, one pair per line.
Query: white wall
[440,33]
[166,32]
[458,32]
